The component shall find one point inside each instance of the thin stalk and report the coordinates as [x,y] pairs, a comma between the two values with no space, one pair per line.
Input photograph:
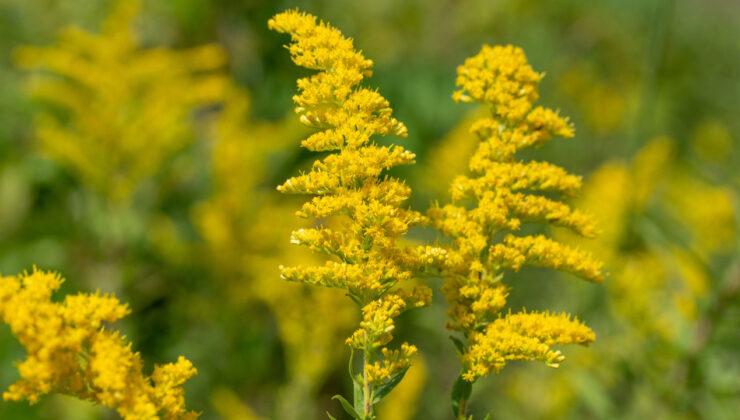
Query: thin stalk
[463,408]
[368,360]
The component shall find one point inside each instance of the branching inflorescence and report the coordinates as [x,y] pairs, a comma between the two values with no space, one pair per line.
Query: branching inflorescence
[506,193]
[349,182]
[71,351]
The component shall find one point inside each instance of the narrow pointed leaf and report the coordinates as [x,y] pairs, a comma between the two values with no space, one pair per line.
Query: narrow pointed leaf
[347,406]
[458,344]
[384,389]
[460,393]
[359,398]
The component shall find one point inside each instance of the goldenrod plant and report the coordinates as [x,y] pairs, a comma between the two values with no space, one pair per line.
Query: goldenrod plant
[119,111]
[348,184]
[506,193]
[140,157]
[72,350]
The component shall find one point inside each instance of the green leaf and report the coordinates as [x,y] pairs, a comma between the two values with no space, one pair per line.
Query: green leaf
[488,417]
[460,394]
[359,397]
[355,298]
[458,344]
[387,387]
[330,416]
[347,406]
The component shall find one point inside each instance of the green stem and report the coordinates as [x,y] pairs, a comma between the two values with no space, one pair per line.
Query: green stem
[463,408]
[460,394]
[367,359]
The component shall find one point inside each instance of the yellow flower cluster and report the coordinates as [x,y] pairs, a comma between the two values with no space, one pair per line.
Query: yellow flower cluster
[393,362]
[125,109]
[539,251]
[348,185]
[504,196]
[377,325]
[522,336]
[240,151]
[70,351]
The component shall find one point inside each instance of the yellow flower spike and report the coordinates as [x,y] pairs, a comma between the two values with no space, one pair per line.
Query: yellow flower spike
[395,362]
[350,184]
[126,109]
[537,176]
[522,336]
[71,351]
[377,325]
[500,76]
[168,380]
[506,193]
[542,252]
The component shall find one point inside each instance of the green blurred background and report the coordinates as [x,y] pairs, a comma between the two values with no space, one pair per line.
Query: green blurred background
[653,88]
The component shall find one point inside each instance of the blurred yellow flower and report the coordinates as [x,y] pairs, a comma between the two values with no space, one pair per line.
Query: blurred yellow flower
[654,285]
[604,101]
[125,109]
[229,406]
[448,158]
[245,255]
[706,211]
[712,141]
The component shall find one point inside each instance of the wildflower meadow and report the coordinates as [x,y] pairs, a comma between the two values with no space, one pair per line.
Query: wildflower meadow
[369,210]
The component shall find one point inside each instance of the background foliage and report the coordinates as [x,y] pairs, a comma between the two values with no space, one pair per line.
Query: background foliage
[653,91]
